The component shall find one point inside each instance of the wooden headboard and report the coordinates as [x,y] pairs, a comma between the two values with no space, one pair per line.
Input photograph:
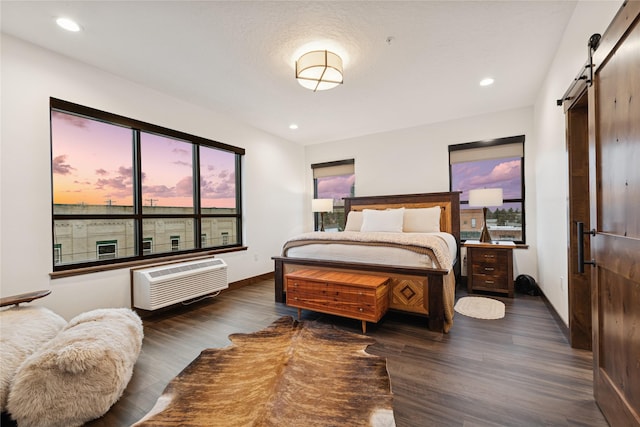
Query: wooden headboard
[449,203]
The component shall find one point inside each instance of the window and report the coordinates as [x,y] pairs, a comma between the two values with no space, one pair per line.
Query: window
[225,238]
[57,253]
[333,180]
[116,180]
[147,245]
[107,249]
[497,163]
[175,243]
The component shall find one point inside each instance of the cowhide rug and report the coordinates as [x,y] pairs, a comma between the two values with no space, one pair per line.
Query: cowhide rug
[289,374]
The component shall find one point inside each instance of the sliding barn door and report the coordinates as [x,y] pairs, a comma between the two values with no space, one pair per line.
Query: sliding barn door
[614,145]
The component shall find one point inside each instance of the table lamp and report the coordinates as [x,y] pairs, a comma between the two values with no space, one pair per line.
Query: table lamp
[485,197]
[322,206]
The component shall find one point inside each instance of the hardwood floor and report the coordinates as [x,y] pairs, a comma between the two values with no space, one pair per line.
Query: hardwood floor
[516,371]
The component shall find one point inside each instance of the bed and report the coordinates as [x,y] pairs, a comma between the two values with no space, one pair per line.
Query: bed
[422,278]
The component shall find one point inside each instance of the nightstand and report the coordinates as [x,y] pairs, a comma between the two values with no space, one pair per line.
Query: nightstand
[490,267]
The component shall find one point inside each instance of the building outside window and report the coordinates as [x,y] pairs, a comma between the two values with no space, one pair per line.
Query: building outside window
[116,178]
[333,180]
[225,238]
[497,163]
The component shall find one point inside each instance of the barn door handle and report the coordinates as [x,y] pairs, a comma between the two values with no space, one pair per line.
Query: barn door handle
[581,233]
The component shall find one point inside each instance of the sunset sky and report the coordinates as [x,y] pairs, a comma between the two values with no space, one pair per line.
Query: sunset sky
[494,173]
[335,187]
[92,164]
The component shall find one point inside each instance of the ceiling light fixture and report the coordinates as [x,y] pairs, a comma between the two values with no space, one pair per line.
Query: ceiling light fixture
[319,70]
[486,82]
[68,24]
[293,126]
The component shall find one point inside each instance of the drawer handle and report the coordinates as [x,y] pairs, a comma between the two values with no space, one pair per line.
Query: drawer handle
[295,298]
[491,282]
[489,269]
[489,256]
[361,309]
[360,293]
[295,284]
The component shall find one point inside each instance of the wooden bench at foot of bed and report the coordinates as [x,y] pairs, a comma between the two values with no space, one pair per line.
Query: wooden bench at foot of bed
[358,296]
[425,292]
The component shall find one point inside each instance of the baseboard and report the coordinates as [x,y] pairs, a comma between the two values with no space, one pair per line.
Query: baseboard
[251,280]
[561,325]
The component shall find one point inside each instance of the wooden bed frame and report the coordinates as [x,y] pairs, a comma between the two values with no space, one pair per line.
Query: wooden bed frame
[415,290]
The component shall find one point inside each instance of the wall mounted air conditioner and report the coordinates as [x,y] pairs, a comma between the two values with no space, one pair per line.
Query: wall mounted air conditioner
[161,286]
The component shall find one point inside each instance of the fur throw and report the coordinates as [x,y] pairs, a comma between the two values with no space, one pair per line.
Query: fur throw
[81,373]
[23,330]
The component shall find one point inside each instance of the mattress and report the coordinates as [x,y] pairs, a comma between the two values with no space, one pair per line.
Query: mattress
[334,250]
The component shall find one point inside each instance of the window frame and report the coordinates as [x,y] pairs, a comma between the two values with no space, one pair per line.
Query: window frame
[518,139]
[137,216]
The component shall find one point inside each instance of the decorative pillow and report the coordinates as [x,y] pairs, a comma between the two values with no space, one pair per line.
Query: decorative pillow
[79,374]
[389,220]
[422,220]
[354,221]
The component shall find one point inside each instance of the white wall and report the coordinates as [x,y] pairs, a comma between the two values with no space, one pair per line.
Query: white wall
[273,174]
[416,160]
[551,170]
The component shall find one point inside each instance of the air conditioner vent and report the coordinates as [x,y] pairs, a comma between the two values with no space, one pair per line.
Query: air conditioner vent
[184,267]
[161,286]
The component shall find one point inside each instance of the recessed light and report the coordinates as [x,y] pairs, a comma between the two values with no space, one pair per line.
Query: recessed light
[68,24]
[293,126]
[486,82]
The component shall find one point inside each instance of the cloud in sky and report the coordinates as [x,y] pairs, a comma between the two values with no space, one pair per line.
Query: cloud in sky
[500,173]
[73,120]
[118,184]
[335,187]
[60,167]
[181,151]
[222,186]
[184,187]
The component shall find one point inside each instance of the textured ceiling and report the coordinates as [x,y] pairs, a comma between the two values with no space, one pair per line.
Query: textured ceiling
[238,57]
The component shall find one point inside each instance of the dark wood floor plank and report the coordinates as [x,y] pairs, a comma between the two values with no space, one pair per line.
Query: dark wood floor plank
[516,371]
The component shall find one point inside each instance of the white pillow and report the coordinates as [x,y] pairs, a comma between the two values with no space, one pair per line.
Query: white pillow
[354,221]
[422,220]
[388,220]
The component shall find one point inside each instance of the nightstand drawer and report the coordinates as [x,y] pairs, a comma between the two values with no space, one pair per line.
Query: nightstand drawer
[490,256]
[490,282]
[490,269]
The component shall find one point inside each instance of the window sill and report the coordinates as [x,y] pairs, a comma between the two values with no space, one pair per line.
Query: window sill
[162,260]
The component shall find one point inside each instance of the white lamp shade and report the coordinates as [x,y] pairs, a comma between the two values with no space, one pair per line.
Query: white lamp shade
[485,197]
[322,205]
[319,70]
